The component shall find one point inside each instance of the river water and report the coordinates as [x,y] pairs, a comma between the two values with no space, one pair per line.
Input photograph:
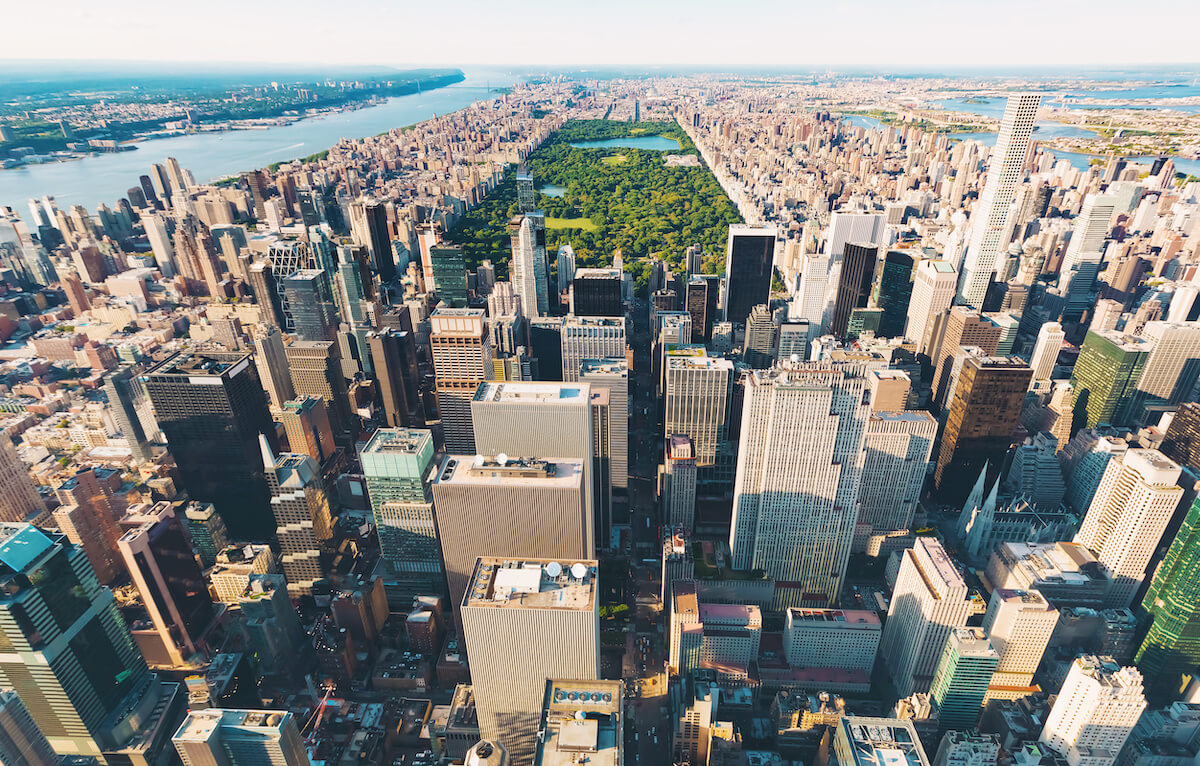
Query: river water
[211,156]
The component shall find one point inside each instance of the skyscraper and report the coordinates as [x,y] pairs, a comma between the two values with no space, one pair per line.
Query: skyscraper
[1019,624]
[532,507]
[305,421]
[19,498]
[394,356]
[398,464]
[317,371]
[462,359]
[929,600]
[613,375]
[510,417]
[206,530]
[1182,440]
[311,303]
[896,446]
[271,360]
[526,621]
[932,293]
[799,464]
[449,274]
[1095,711]
[82,630]
[227,737]
[212,409]
[696,397]
[527,234]
[990,219]
[856,275]
[590,338]
[1171,370]
[963,327]
[679,483]
[701,298]
[749,267]
[1133,505]
[983,414]
[1045,351]
[302,516]
[1172,645]
[1105,377]
[163,567]
[597,293]
[962,677]
[21,741]
[895,292]
[1081,263]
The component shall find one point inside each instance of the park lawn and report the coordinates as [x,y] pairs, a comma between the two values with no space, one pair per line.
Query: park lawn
[586,224]
[614,159]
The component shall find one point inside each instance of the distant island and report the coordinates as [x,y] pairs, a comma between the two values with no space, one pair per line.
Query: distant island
[65,124]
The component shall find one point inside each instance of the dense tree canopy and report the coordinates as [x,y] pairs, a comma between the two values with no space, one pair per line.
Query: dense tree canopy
[615,199]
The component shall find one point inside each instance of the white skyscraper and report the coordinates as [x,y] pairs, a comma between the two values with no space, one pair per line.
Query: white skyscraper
[1019,624]
[896,447]
[613,374]
[929,600]
[933,292]
[989,220]
[1045,351]
[1127,517]
[679,483]
[808,302]
[696,396]
[1170,371]
[1096,709]
[1081,264]
[800,460]
[529,264]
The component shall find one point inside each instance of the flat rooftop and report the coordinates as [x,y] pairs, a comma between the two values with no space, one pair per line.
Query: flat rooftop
[532,584]
[882,741]
[199,725]
[582,724]
[528,392]
[405,440]
[972,642]
[516,471]
[849,618]
[604,366]
[198,363]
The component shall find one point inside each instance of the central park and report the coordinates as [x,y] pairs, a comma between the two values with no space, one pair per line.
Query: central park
[617,196]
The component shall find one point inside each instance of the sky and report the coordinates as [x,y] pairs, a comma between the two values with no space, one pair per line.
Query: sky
[569,33]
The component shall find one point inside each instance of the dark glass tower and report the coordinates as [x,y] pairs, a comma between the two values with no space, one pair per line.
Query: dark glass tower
[854,284]
[1172,645]
[211,407]
[895,292]
[749,261]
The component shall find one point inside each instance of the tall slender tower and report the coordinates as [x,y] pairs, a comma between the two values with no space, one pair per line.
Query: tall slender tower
[18,497]
[1172,645]
[1132,507]
[989,221]
[929,600]
[527,234]
[800,462]
[397,464]
[462,359]
[302,517]
[1045,351]
[1095,711]
[963,675]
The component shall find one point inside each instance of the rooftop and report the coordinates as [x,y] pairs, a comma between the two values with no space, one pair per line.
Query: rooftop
[406,440]
[527,392]
[972,642]
[199,725]
[845,617]
[199,363]
[517,471]
[882,742]
[582,724]
[605,366]
[532,584]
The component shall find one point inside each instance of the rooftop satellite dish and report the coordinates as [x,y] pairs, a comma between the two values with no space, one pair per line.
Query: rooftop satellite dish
[502,459]
[578,571]
[553,569]
[580,715]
